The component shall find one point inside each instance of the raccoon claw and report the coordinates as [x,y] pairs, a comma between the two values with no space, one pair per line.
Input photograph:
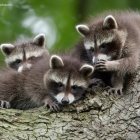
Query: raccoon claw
[4,104]
[115,91]
[53,106]
[95,83]
[101,65]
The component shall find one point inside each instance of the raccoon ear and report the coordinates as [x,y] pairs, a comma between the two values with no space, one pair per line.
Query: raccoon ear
[110,22]
[82,29]
[56,62]
[39,40]
[7,49]
[86,70]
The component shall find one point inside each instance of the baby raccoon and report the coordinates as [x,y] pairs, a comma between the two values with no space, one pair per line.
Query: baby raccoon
[22,55]
[111,43]
[64,81]
[61,80]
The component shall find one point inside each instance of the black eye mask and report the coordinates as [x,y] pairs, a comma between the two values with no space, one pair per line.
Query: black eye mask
[15,65]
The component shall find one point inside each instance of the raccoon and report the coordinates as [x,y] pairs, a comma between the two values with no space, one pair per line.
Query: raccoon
[23,54]
[111,43]
[59,81]
[64,78]
[8,86]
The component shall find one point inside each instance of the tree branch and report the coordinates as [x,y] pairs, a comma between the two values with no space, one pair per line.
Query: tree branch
[98,117]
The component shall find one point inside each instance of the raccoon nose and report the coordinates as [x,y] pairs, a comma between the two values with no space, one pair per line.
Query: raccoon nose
[95,60]
[65,101]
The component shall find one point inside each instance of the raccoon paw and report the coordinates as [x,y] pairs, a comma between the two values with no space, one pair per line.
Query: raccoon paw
[53,106]
[95,83]
[101,65]
[115,91]
[4,104]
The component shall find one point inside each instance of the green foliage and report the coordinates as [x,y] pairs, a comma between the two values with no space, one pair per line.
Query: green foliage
[55,18]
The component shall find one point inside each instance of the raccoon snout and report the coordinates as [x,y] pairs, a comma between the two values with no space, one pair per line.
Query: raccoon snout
[24,67]
[95,60]
[65,101]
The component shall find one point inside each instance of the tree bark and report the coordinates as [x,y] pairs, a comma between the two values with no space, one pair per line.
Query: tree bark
[98,117]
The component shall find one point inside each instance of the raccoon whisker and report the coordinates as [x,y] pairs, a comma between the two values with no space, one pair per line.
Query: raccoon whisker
[101,69]
[104,70]
[102,60]
[99,65]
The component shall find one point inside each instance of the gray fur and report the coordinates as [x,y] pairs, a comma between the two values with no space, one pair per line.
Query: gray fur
[34,88]
[122,54]
[23,53]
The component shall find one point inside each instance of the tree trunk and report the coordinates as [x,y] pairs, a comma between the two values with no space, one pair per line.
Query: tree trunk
[98,117]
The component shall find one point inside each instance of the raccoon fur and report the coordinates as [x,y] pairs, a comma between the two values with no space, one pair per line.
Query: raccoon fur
[62,81]
[58,81]
[111,43]
[23,54]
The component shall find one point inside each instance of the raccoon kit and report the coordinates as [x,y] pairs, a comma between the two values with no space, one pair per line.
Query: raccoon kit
[111,43]
[21,55]
[61,80]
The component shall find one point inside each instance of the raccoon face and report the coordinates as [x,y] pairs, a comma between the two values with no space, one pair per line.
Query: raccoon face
[103,40]
[64,85]
[23,55]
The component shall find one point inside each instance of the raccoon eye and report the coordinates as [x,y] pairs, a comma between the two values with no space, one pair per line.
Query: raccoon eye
[103,46]
[91,49]
[74,87]
[32,58]
[60,84]
[18,61]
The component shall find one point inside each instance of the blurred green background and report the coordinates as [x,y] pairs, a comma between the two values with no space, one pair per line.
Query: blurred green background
[55,18]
